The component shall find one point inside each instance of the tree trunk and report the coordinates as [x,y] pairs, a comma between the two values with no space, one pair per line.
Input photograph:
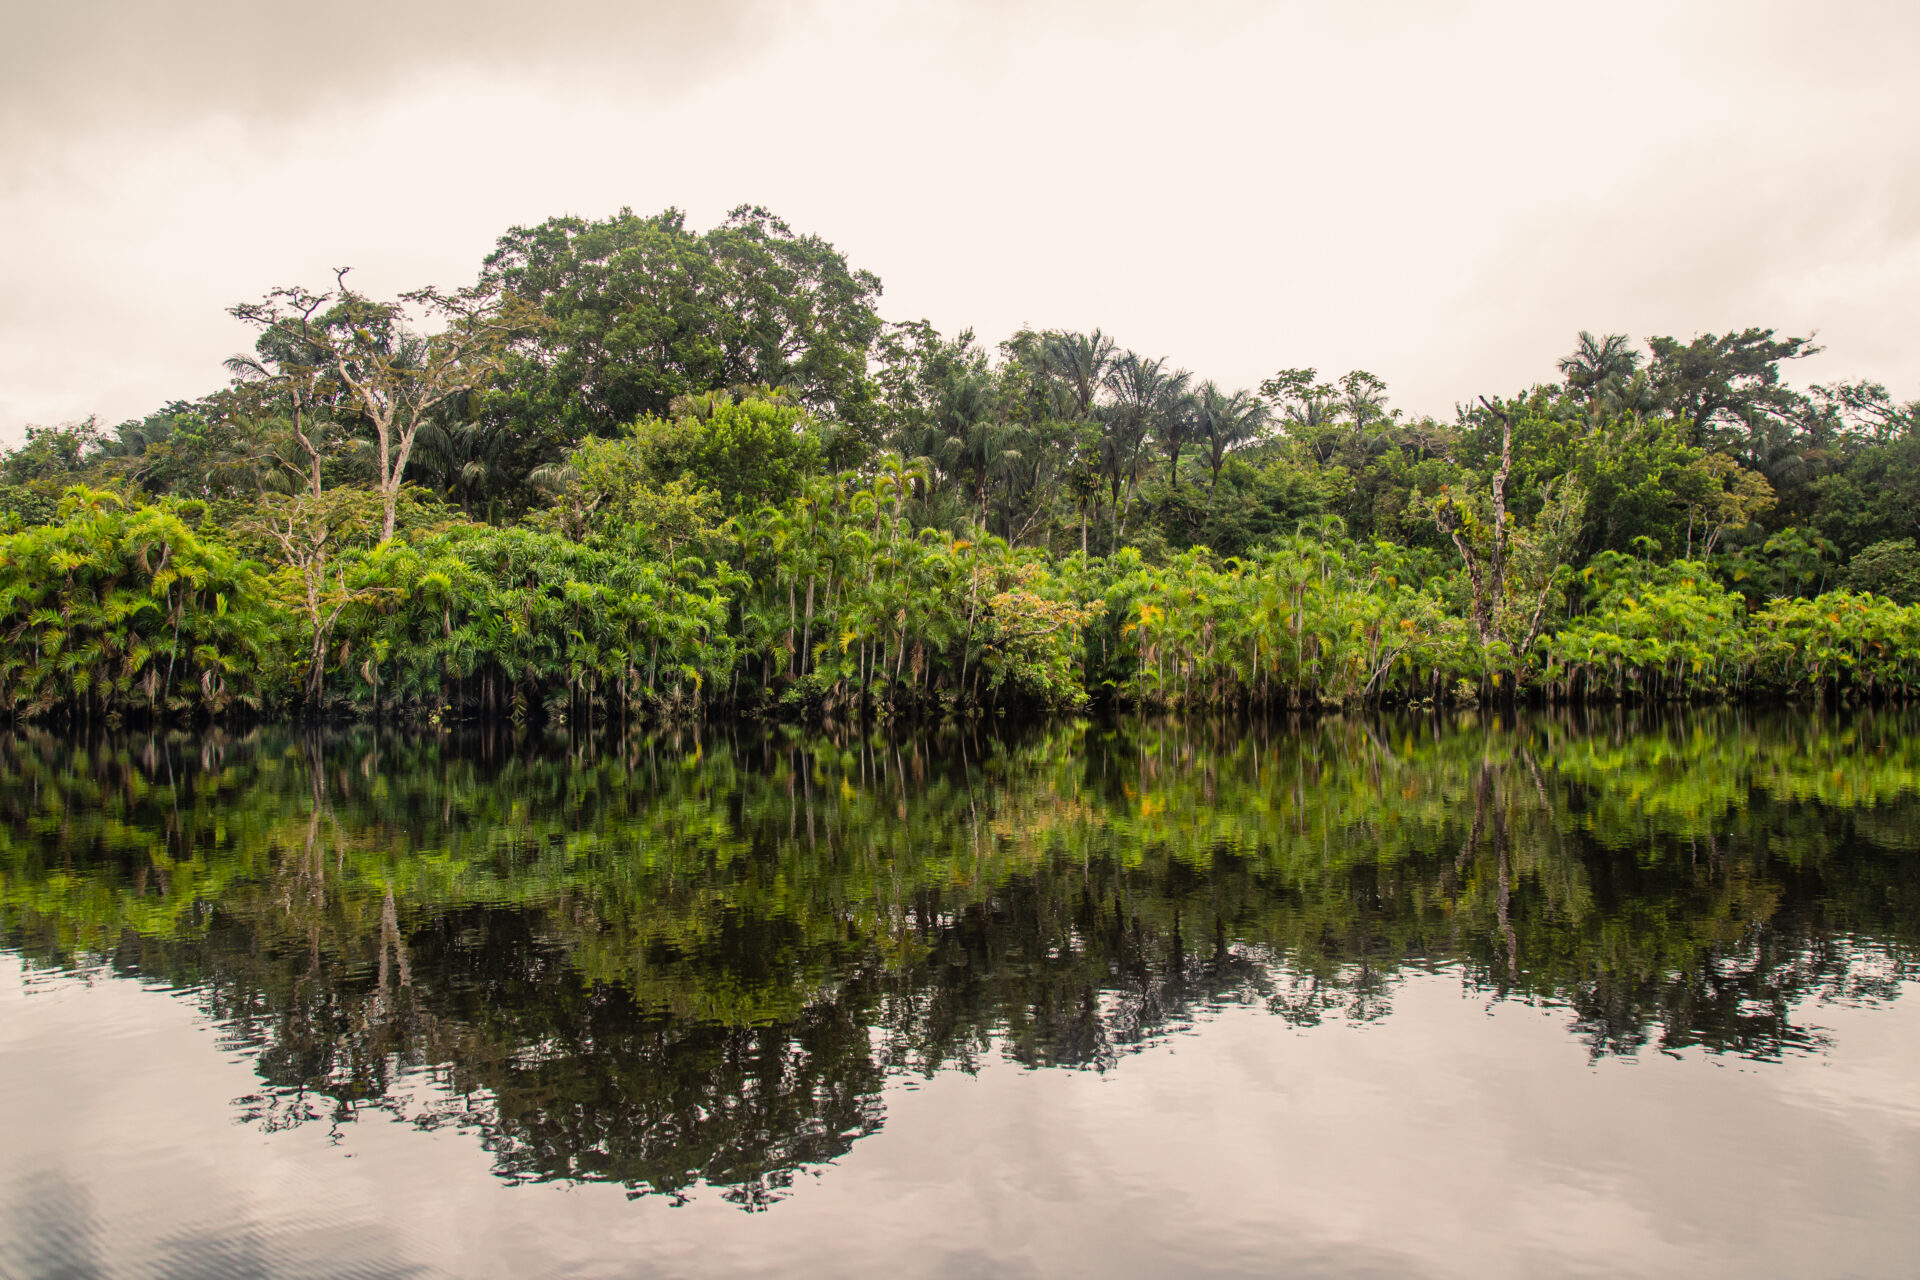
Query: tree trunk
[806,633]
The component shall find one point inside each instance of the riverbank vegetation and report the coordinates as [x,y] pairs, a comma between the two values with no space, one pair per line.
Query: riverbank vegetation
[637,470]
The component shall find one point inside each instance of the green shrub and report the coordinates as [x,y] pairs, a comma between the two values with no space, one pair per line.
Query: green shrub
[122,610]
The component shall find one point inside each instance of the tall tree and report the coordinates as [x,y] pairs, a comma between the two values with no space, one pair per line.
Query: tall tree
[642,310]
[1867,408]
[290,374]
[1511,573]
[1308,410]
[343,354]
[1728,385]
[396,376]
[1363,398]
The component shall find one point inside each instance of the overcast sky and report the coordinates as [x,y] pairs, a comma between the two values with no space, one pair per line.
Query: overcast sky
[1442,193]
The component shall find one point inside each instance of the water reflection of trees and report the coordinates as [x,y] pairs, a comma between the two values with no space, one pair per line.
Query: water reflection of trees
[663,961]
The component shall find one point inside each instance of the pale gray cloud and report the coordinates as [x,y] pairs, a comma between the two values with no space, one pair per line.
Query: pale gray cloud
[1440,193]
[85,64]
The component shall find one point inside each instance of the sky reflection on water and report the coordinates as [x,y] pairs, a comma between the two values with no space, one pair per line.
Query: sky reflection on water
[1349,999]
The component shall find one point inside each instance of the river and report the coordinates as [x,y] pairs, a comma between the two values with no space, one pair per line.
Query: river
[1444,996]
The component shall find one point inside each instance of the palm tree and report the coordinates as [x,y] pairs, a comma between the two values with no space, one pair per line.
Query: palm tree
[1080,361]
[900,478]
[1598,365]
[1227,421]
[1073,369]
[462,460]
[1175,430]
[1364,398]
[1145,394]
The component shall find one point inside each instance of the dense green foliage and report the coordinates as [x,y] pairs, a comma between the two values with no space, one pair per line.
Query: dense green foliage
[637,469]
[662,958]
[112,608]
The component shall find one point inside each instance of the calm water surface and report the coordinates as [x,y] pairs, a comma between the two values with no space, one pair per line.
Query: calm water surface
[1458,997]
